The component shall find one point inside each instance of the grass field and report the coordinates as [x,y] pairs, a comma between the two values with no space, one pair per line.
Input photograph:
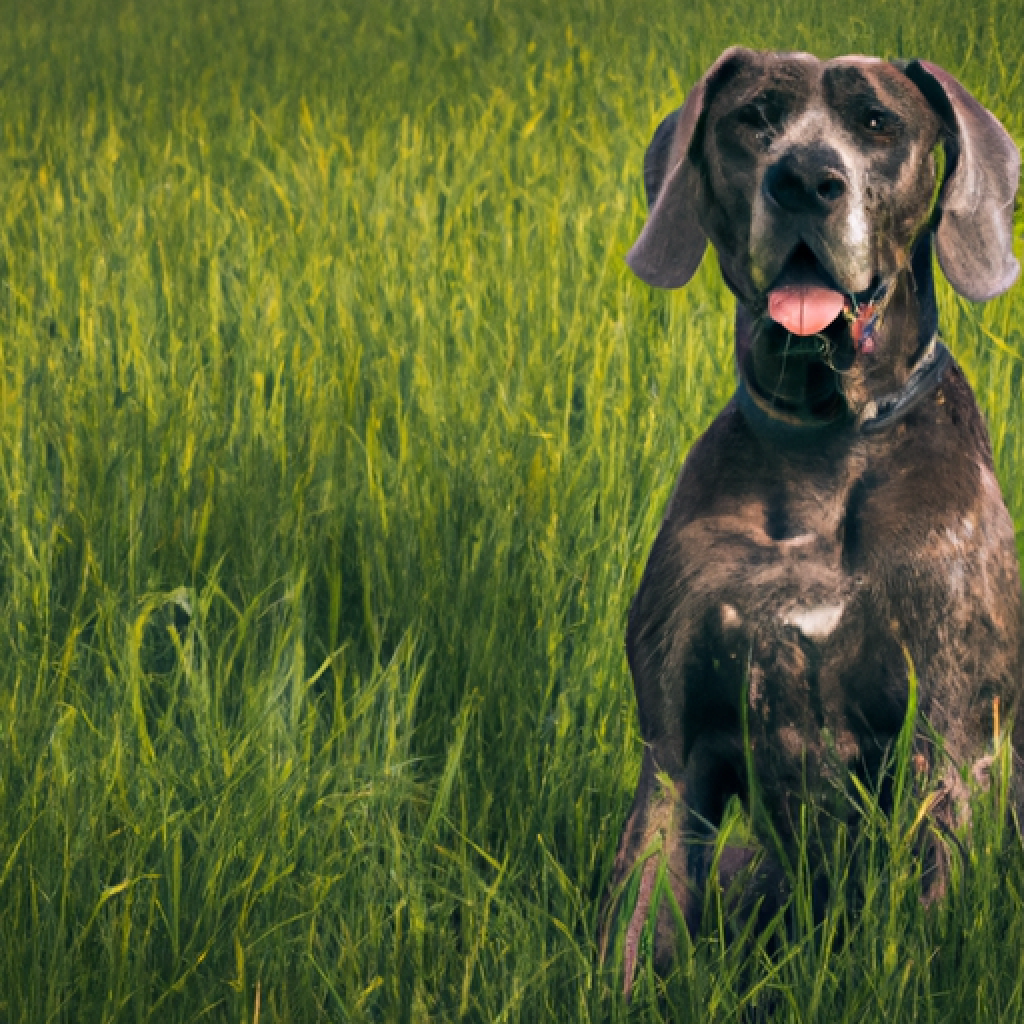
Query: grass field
[333,436]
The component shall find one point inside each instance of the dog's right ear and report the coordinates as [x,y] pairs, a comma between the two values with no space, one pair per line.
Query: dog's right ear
[672,243]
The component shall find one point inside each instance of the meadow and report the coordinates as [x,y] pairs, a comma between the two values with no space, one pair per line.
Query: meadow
[334,433]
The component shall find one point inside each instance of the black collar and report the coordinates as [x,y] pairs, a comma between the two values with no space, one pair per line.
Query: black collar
[877,416]
[882,413]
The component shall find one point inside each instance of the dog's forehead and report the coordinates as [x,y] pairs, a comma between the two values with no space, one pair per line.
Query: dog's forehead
[804,75]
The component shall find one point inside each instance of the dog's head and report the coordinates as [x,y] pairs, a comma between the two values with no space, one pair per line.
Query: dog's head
[814,179]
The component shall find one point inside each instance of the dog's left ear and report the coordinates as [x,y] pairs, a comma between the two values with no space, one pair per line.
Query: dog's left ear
[974,233]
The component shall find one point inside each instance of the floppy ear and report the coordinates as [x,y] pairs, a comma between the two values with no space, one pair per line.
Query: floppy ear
[974,233]
[672,243]
[657,156]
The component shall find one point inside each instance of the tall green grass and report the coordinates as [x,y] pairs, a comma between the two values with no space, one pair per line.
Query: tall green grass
[333,436]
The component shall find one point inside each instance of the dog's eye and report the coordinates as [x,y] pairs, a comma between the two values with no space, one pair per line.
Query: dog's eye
[751,115]
[761,117]
[877,121]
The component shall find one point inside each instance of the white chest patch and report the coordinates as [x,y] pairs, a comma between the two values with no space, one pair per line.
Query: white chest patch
[818,622]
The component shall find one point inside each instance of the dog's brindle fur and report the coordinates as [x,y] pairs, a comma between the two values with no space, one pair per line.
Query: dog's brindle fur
[812,545]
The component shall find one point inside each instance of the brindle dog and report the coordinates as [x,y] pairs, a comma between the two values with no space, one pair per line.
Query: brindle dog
[841,514]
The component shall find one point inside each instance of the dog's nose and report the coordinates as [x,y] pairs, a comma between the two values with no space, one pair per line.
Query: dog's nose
[809,182]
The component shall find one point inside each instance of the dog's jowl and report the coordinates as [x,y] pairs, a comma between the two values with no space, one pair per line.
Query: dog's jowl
[840,518]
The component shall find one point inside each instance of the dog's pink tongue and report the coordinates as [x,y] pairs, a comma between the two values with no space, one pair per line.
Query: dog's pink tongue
[804,308]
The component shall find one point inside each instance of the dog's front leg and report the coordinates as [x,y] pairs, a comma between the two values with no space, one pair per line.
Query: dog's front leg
[653,847]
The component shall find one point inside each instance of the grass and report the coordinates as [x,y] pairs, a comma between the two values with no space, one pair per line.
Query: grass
[333,436]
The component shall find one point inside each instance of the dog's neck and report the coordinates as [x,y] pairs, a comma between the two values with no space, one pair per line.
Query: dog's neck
[823,381]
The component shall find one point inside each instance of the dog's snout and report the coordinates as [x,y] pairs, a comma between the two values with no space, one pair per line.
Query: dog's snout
[808,182]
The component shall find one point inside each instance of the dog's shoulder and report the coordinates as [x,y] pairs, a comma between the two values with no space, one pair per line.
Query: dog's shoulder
[724,463]
[933,465]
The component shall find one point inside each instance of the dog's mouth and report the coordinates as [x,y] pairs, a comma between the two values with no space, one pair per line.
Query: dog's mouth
[806,300]
[816,331]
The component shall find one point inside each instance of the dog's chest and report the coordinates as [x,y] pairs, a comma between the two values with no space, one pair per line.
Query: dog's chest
[801,581]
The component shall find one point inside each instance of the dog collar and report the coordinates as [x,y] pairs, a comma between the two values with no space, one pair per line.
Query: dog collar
[878,415]
[782,428]
[883,412]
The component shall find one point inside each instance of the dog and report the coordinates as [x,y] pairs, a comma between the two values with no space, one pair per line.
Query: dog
[839,528]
